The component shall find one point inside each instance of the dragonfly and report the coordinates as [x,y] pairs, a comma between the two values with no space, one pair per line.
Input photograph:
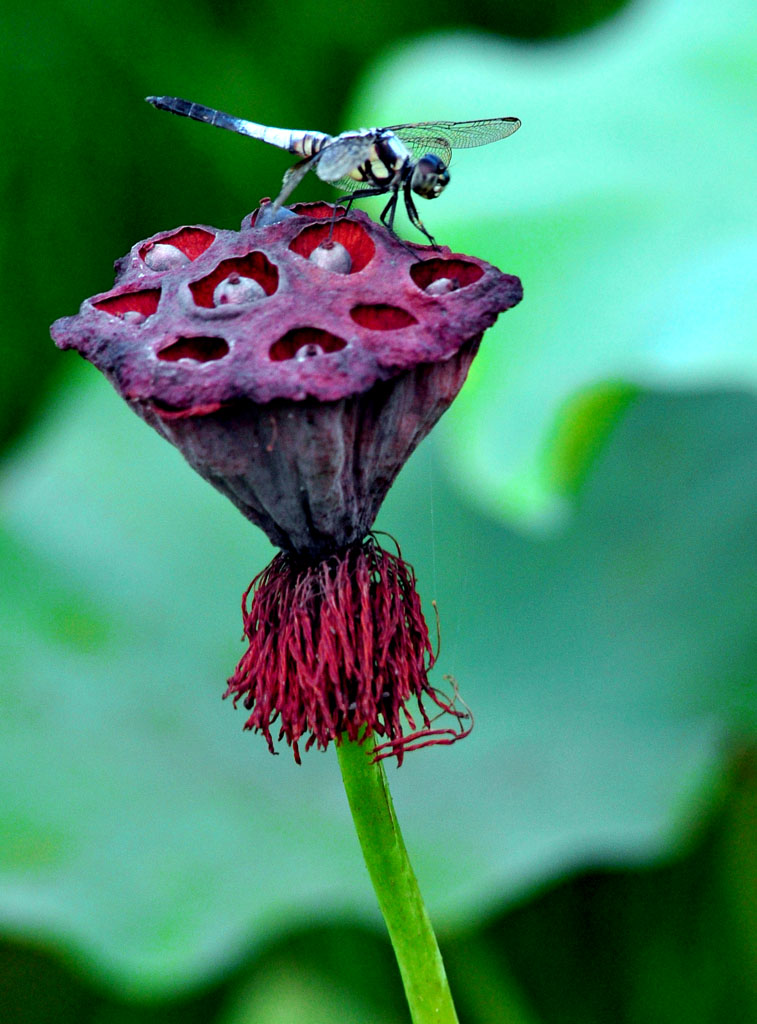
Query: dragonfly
[402,159]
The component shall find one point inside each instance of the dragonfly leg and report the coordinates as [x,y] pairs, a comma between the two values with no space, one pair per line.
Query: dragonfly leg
[350,200]
[361,193]
[390,209]
[336,211]
[414,218]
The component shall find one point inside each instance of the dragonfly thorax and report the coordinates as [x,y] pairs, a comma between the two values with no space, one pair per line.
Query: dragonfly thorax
[430,176]
[386,158]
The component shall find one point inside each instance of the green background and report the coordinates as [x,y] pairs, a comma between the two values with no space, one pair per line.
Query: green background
[584,516]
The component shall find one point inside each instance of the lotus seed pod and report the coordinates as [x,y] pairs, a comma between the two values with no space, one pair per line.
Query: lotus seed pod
[303,405]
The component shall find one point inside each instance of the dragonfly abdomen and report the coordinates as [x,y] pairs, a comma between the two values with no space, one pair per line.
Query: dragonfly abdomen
[302,142]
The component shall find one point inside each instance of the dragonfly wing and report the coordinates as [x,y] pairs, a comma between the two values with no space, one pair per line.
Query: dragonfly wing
[441,137]
[292,178]
[421,142]
[347,185]
[343,154]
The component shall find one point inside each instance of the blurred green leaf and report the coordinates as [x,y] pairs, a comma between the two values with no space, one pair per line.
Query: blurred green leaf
[484,988]
[645,945]
[626,203]
[738,870]
[317,977]
[143,828]
[35,988]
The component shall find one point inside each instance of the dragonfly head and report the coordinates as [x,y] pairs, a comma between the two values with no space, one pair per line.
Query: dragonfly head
[430,176]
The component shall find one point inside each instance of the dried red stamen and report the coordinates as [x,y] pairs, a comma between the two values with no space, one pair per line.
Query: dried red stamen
[339,646]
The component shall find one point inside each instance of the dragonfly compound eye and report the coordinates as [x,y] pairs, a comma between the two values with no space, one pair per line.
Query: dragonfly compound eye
[430,176]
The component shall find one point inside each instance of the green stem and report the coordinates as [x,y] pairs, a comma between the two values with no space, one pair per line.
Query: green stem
[394,881]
